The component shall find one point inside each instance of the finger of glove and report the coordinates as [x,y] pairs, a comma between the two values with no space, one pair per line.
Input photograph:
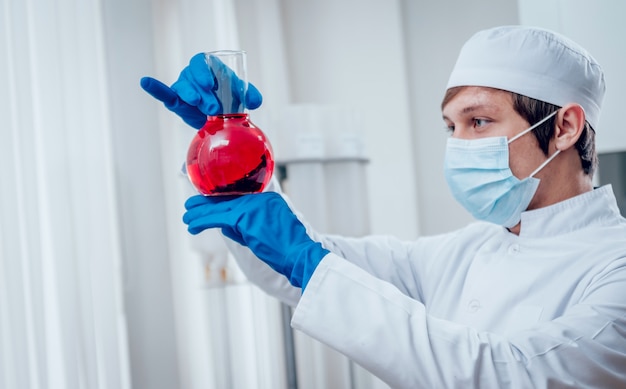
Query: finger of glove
[225,79]
[197,95]
[210,105]
[219,69]
[253,97]
[192,116]
[224,219]
[195,201]
[201,206]
[209,209]
[233,234]
[197,226]
[189,113]
[236,89]
[195,80]
[159,90]
[198,200]
[186,88]
[204,76]
[204,101]
[200,72]
[204,206]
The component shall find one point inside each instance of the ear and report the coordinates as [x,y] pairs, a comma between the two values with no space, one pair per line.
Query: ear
[570,122]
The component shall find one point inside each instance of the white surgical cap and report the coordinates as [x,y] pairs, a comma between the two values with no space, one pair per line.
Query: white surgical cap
[532,62]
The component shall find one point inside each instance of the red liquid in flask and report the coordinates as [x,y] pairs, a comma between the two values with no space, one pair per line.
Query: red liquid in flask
[230,155]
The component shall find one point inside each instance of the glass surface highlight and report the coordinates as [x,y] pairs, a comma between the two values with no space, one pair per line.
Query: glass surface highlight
[230,155]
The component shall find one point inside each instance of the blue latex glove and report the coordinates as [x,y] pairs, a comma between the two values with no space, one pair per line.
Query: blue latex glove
[264,223]
[192,96]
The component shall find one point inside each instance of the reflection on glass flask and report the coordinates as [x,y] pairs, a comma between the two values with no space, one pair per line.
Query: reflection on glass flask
[229,155]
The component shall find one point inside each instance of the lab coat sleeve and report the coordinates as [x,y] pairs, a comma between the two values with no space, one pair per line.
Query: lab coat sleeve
[387,258]
[364,252]
[398,268]
[392,335]
[263,276]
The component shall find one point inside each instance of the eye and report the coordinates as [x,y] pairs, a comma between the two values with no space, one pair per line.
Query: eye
[478,122]
[448,125]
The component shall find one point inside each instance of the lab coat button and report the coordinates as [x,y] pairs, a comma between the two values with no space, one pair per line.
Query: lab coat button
[513,249]
[473,305]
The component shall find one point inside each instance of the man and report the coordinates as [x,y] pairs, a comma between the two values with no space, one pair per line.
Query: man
[531,295]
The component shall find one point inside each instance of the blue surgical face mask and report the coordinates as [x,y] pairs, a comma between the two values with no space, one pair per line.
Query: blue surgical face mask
[478,174]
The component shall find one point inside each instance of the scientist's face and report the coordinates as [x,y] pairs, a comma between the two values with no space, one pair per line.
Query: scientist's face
[478,112]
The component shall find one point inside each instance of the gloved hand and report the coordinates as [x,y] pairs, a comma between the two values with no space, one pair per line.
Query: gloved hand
[192,96]
[264,223]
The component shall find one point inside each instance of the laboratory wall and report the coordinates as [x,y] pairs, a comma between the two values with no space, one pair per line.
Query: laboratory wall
[435,32]
[597,27]
[100,284]
[388,61]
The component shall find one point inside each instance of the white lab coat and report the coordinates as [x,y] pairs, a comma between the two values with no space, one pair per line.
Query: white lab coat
[476,308]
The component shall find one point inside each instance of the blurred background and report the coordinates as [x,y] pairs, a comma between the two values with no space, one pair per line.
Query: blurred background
[100,284]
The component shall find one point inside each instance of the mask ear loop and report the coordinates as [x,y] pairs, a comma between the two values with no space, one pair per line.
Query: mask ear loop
[540,122]
[533,127]
[547,161]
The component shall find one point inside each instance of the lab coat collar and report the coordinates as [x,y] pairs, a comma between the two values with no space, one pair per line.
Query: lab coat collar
[594,208]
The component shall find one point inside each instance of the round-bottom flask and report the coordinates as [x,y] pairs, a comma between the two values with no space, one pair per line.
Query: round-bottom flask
[229,156]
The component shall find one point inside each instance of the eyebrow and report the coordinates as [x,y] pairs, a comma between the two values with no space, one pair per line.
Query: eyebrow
[476,107]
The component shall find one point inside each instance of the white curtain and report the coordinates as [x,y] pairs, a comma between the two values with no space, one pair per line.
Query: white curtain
[100,285]
[62,322]
[228,335]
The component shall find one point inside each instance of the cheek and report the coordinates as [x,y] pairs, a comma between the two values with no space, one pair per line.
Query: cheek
[524,158]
